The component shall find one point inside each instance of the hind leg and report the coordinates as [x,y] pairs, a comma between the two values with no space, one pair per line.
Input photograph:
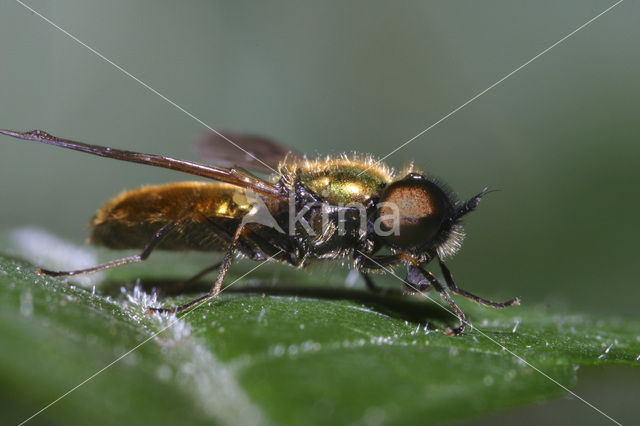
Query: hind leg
[157,238]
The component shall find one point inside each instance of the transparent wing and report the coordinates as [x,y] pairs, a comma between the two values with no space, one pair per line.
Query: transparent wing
[252,152]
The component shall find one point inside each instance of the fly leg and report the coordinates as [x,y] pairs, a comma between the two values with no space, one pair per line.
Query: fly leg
[146,252]
[453,287]
[227,237]
[200,274]
[217,285]
[371,285]
[157,238]
[364,263]
[416,282]
[445,295]
[182,285]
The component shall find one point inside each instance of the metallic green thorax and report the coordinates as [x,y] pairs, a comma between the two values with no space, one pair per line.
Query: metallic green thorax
[341,182]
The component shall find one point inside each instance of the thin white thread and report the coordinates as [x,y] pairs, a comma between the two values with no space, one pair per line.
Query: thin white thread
[493,85]
[142,83]
[496,342]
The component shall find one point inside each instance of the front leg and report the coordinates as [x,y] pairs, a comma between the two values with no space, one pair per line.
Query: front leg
[434,283]
[416,282]
[415,274]
[453,287]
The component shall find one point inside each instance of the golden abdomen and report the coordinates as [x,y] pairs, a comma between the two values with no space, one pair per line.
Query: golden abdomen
[208,210]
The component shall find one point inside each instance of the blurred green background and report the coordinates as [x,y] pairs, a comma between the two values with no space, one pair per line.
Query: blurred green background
[559,138]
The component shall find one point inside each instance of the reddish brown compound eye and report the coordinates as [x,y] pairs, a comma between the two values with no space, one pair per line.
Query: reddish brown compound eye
[412,212]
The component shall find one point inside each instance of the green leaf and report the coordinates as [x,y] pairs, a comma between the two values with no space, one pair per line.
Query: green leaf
[261,354]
